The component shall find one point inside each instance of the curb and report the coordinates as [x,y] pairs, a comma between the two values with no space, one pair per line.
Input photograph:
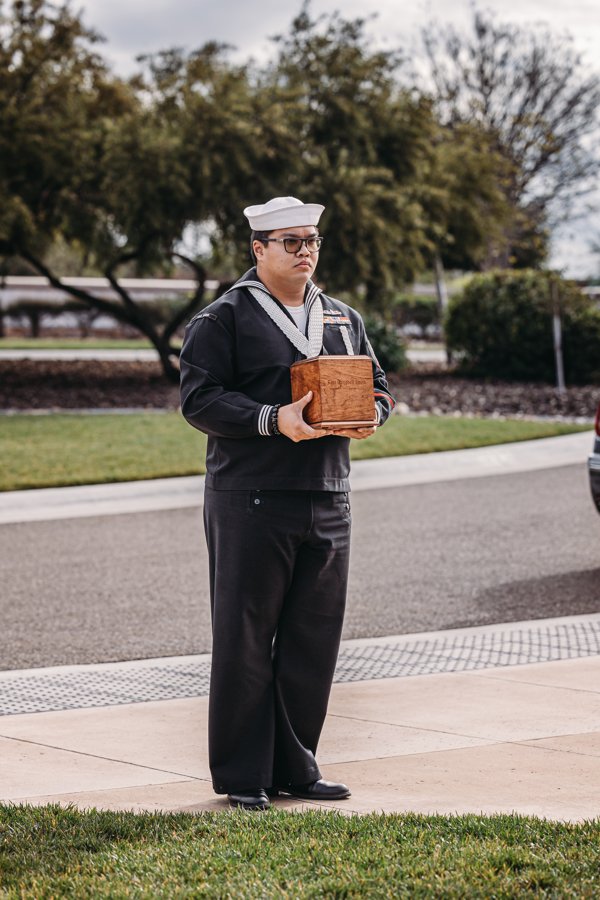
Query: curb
[48,504]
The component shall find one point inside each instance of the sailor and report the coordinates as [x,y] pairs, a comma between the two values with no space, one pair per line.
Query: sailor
[276,509]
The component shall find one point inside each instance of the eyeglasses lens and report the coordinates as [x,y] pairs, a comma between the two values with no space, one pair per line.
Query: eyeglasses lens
[293,245]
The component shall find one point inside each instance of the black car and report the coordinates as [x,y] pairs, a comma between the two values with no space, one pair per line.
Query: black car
[594,463]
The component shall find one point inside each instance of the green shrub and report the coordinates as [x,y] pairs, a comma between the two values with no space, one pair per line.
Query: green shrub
[388,345]
[501,326]
[581,348]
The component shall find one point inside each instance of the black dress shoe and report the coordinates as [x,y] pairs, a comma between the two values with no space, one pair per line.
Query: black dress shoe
[249,798]
[318,790]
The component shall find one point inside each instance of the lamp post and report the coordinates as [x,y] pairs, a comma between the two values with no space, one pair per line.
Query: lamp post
[557,334]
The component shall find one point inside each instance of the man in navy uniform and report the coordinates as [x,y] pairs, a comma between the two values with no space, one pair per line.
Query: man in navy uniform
[276,509]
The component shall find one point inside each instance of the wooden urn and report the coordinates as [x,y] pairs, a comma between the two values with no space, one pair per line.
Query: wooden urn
[342,389]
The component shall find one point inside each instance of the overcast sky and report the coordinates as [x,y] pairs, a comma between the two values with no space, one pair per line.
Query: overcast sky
[139,26]
[132,27]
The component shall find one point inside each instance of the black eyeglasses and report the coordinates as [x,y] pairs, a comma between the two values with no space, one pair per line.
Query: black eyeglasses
[293,245]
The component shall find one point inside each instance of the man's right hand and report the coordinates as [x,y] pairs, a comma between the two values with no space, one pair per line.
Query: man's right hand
[291,423]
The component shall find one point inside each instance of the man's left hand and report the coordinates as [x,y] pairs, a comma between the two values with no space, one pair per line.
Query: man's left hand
[356,433]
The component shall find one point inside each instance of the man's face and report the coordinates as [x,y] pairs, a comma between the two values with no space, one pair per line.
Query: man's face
[274,262]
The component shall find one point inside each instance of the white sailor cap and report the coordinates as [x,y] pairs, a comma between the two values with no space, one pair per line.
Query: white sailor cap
[282,212]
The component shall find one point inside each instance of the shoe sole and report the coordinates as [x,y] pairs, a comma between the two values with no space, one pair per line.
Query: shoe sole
[300,796]
[251,808]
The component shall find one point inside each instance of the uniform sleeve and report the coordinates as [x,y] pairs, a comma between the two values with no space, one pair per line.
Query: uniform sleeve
[208,400]
[384,402]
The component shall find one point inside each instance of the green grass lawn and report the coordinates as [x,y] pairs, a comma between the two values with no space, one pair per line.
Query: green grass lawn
[61,449]
[50,343]
[72,343]
[50,852]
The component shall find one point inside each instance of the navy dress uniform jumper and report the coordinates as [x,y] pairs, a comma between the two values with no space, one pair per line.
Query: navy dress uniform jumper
[277,522]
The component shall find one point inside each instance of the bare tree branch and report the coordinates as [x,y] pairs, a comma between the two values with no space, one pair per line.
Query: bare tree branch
[105,306]
[196,301]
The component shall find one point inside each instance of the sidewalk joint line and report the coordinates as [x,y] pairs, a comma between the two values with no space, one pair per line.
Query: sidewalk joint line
[124,762]
[459,734]
[531,742]
[559,687]
[95,790]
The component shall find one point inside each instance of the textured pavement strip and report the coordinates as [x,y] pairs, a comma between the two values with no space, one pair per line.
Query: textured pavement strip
[367,474]
[364,659]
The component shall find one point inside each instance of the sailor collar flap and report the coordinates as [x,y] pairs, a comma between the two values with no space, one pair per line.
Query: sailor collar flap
[310,345]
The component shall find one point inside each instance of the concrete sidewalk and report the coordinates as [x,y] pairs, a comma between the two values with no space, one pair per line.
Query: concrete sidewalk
[507,738]
[367,474]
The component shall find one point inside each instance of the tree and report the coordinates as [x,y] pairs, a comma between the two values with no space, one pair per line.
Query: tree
[467,209]
[122,169]
[235,146]
[466,205]
[529,94]
[358,144]
[402,189]
[60,111]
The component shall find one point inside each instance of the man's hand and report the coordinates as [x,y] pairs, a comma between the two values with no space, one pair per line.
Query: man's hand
[356,433]
[291,423]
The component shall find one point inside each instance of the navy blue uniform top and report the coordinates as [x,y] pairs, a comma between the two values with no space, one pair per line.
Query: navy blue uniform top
[235,365]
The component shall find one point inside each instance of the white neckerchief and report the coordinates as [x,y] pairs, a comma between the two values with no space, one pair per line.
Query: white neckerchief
[309,346]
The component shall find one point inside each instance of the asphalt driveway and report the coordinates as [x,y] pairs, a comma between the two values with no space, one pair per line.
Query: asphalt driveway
[425,557]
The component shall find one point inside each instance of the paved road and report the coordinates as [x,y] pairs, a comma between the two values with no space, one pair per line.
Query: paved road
[426,557]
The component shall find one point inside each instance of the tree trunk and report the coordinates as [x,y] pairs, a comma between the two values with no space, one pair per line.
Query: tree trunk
[34,323]
[440,286]
[442,296]
[169,360]
[129,312]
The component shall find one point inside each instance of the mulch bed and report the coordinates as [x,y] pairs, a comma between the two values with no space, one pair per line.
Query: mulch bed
[83,384]
[96,384]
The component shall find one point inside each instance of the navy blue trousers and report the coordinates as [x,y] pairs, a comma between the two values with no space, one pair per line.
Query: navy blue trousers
[278,577]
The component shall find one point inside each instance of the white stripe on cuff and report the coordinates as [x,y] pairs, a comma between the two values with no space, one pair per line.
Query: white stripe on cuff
[263,421]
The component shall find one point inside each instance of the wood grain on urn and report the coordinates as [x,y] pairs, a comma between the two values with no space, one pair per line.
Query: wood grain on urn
[342,389]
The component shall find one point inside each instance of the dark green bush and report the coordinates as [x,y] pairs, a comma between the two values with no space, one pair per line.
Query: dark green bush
[581,348]
[501,326]
[388,345]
